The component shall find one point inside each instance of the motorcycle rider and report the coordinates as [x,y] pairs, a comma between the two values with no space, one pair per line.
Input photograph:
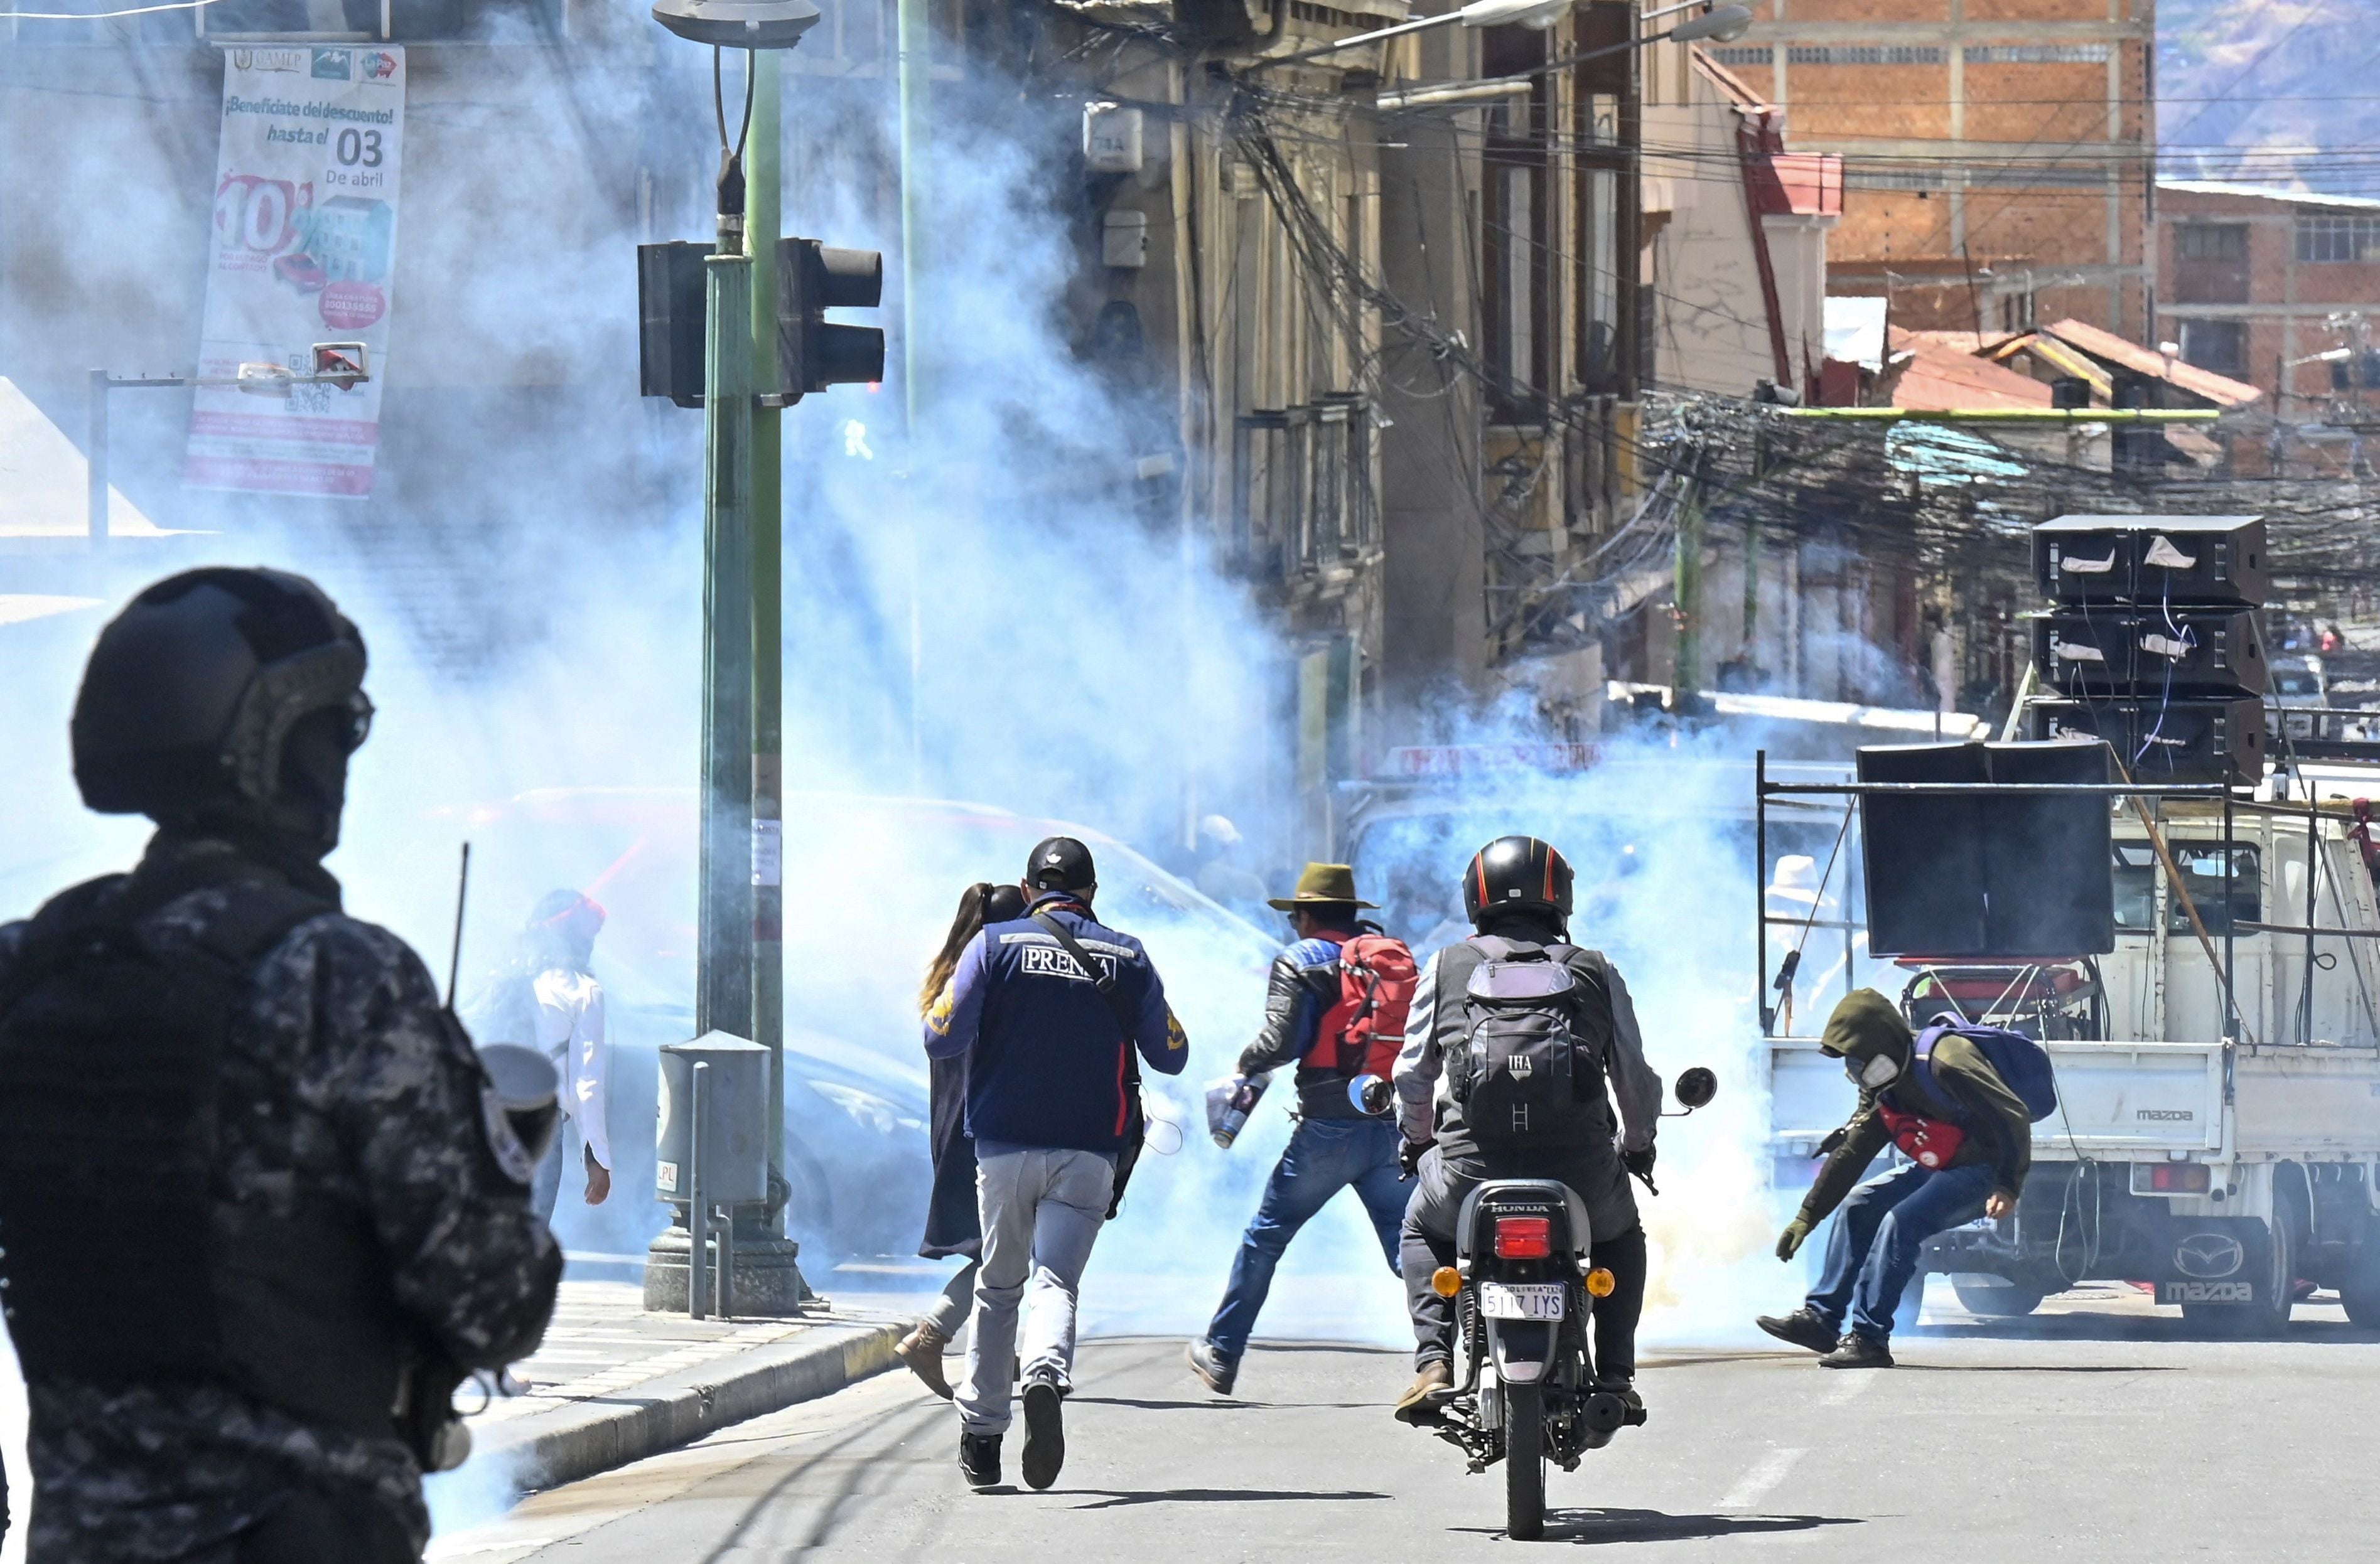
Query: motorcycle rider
[1873,1249]
[1517,893]
[261,1204]
[1336,1145]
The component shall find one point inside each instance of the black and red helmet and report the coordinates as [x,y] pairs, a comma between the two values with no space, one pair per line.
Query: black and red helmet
[1520,874]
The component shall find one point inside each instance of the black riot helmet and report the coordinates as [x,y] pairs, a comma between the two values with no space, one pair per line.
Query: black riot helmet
[1517,874]
[224,698]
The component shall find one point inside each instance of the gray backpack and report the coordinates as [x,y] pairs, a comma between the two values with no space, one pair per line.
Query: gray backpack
[1528,1075]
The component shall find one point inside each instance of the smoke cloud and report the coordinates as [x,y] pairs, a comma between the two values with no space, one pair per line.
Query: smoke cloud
[1000,612]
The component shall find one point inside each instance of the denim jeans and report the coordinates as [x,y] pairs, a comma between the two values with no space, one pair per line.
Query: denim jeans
[1041,1212]
[1325,1155]
[1872,1244]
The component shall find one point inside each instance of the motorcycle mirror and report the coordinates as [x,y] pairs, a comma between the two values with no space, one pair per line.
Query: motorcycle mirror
[1696,1088]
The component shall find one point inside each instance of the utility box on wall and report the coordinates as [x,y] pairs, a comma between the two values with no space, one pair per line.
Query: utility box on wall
[1111,138]
[1124,240]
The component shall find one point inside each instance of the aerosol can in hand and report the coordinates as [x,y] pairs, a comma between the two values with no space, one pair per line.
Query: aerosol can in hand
[1229,1103]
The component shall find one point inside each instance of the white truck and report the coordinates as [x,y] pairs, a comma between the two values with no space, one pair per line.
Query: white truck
[2231,1163]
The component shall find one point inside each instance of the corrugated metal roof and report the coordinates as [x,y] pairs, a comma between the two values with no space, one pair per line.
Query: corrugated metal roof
[2268,192]
[2204,384]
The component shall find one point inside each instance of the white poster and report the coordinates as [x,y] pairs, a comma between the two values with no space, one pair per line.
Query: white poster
[305,240]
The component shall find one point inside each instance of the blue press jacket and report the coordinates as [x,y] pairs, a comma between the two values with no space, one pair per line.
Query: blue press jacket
[1046,1062]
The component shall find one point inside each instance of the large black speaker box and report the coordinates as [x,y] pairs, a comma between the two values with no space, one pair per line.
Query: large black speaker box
[2221,740]
[2105,652]
[1985,876]
[2151,559]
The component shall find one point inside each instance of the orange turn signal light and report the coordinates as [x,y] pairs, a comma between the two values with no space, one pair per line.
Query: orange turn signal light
[1446,1282]
[1599,1282]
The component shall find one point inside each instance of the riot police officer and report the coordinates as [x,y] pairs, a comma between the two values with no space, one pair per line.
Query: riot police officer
[261,1206]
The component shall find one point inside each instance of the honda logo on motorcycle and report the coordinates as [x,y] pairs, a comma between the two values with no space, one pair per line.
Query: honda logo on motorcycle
[2208,1254]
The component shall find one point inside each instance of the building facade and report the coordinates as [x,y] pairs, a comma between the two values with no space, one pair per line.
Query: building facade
[1998,154]
[2278,288]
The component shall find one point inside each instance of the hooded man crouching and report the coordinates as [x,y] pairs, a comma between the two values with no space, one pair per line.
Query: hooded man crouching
[1969,1139]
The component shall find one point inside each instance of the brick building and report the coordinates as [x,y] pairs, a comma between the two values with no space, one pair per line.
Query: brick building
[1999,152]
[2256,284]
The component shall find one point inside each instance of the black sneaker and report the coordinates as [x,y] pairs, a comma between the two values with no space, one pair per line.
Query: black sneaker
[1215,1371]
[979,1460]
[1802,1328]
[1045,1434]
[1857,1351]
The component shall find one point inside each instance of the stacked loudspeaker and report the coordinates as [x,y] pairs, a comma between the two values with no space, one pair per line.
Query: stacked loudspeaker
[2151,643]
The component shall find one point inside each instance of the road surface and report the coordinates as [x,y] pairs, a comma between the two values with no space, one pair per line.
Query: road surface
[2105,1433]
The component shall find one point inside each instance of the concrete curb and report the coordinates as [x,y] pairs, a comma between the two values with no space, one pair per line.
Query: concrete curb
[563,1446]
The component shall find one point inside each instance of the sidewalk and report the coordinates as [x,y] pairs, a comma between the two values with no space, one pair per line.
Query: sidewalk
[613,1383]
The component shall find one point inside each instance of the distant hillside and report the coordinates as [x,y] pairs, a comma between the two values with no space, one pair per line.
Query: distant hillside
[2271,91]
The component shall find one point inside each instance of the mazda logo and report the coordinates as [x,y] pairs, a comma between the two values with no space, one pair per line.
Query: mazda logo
[2208,1254]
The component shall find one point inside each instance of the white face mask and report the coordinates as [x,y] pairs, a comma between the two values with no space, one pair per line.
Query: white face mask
[1880,1072]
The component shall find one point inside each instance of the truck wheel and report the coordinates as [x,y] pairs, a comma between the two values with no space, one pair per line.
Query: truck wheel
[1524,1462]
[2011,1301]
[2276,1281]
[2363,1306]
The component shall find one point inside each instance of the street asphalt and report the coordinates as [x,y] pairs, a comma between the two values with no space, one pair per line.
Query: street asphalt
[2101,1431]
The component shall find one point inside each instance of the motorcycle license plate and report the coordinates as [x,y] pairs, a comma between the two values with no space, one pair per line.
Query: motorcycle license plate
[1500,1300]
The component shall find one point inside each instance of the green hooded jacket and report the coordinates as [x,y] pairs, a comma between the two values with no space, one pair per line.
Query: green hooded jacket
[1972,1095]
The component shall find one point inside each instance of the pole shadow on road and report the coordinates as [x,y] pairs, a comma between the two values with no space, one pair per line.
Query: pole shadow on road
[1601,1526]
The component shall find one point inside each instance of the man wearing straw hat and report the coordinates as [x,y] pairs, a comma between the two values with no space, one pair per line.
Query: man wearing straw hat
[1336,1145]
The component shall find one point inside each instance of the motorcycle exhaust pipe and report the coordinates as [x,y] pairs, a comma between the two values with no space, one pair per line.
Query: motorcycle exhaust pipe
[1603,1415]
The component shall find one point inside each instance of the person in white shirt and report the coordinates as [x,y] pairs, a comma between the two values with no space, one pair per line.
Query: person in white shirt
[564,1006]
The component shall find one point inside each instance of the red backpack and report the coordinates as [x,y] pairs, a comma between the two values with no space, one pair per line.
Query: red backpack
[1362,1033]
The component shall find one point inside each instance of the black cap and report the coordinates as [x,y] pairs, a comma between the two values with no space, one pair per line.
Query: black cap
[1061,862]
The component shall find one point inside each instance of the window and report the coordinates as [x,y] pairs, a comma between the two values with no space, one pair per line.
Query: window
[1866,54]
[1516,220]
[2038,176]
[2201,865]
[2211,241]
[2219,346]
[2336,236]
[1745,54]
[2037,54]
[1872,177]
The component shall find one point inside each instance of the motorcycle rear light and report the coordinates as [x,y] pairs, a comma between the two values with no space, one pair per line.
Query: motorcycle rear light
[2172,1178]
[1524,1238]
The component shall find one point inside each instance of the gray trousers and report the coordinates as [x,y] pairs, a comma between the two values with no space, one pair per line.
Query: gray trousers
[1041,1212]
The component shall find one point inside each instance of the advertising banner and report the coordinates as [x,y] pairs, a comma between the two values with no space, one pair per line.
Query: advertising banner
[304,246]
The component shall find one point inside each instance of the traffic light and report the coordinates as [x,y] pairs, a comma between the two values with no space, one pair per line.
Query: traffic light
[669,317]
[813,352]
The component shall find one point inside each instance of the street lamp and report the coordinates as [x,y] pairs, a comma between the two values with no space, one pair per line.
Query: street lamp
[739,961]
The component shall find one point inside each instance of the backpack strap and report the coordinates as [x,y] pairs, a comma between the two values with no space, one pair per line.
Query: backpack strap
[1108,988]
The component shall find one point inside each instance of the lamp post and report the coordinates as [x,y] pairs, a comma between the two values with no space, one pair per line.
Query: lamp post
[738,978]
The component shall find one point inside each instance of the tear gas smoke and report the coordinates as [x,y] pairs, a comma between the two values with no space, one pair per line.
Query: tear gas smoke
[1003,613]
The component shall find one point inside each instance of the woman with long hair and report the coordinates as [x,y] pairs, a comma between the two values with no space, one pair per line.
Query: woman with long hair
[953,1225]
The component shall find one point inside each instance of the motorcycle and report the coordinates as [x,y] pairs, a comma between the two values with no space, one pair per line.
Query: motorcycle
[1524,1296]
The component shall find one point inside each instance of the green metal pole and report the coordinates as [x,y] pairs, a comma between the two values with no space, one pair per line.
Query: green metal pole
[765,222]
[724,990]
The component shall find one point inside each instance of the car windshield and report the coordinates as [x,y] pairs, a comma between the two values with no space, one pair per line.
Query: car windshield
[2201,865]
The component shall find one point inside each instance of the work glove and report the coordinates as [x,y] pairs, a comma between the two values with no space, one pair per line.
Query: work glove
[1641,1164]
[1409,1155]
[1795,1231]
